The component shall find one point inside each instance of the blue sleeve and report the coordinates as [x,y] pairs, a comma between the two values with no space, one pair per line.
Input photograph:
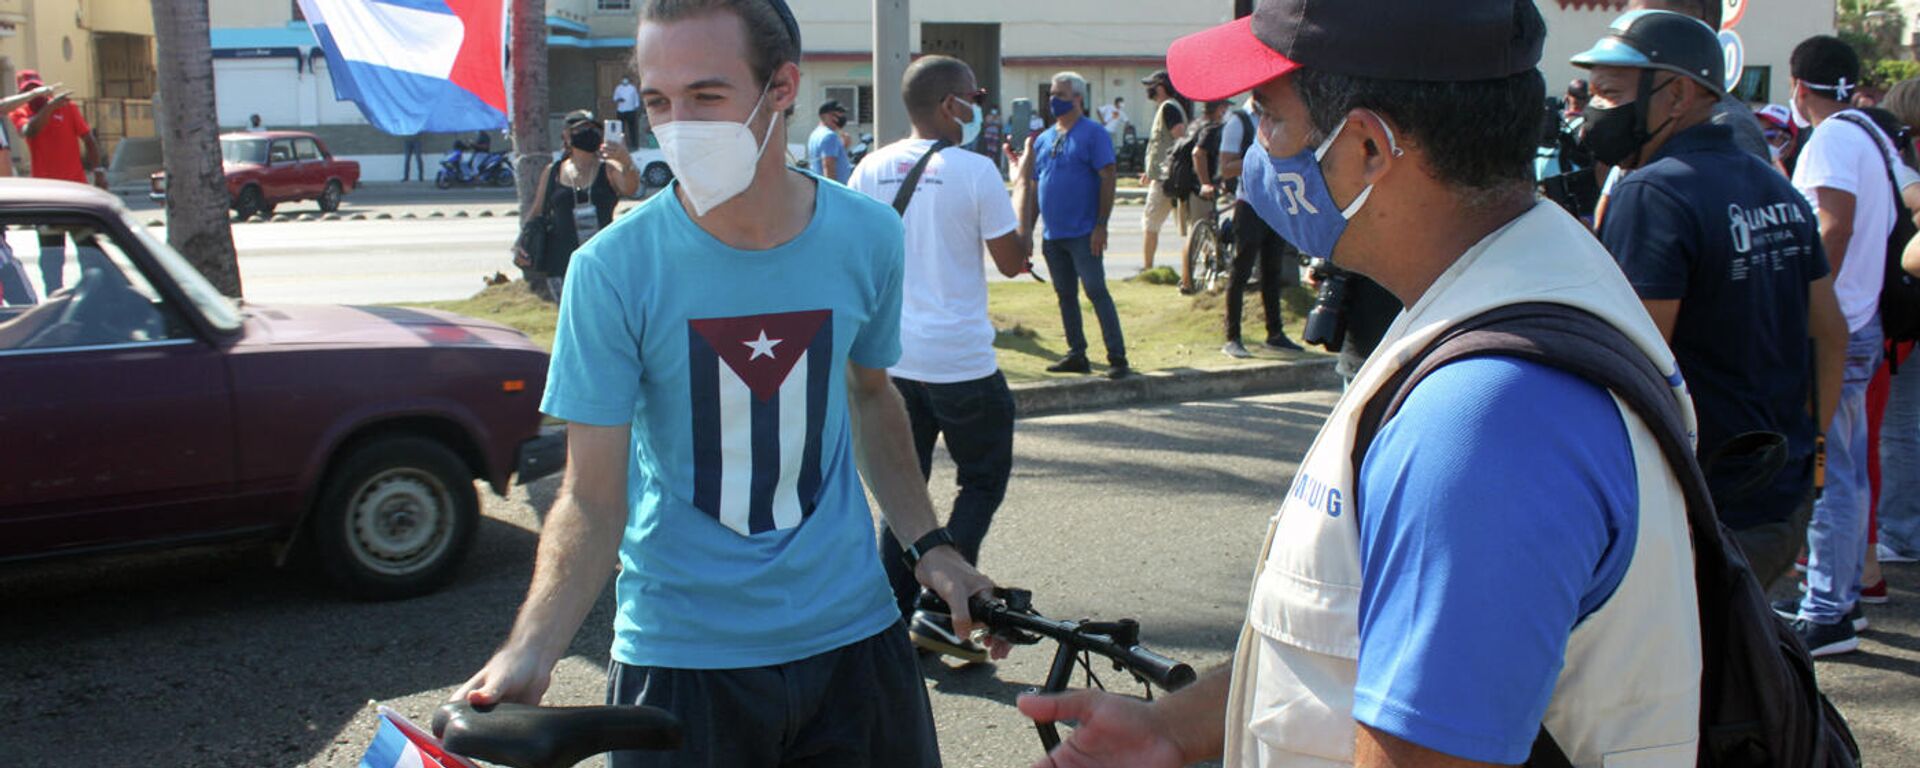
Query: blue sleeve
[1101,153]
[877,345]
[1651,234]
[1497,509]
[594,375]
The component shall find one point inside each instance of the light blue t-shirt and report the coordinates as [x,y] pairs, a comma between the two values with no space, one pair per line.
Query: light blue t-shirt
[1498,509]
[825,142]
[749,541]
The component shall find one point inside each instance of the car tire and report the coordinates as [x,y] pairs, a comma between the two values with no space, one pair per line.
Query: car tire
[249,203]
[657,175]
[330,197]
[396,517]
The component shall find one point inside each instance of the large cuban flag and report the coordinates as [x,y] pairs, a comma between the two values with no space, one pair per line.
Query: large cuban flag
[416,65]
[759,407]
[401,744]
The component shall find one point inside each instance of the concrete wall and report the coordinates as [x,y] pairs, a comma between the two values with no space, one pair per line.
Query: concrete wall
[1770,30]
[249,13]
[134,17]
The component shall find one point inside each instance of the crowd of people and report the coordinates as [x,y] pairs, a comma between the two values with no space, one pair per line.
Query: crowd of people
[1566,414]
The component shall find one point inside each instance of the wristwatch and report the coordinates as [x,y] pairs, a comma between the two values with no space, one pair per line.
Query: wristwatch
[935,538]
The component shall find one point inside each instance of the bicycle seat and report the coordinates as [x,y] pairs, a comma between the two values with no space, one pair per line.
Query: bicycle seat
[521,736]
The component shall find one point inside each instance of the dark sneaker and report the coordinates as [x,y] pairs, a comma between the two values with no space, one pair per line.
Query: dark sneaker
[1118,372]
[1282,344]
[934,632]
[1826,639]
[1858,618]
[1789,609]
[1071,364]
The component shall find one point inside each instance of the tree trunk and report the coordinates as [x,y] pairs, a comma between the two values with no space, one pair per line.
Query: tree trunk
[531,147]
[197,223]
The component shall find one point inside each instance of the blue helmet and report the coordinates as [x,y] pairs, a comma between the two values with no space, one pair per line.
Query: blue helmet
[1661,40]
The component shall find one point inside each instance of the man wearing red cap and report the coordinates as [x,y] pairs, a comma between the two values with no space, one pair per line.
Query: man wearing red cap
[55,132]
[1510,550]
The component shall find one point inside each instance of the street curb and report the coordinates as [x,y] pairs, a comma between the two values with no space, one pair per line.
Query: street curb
[1044,398]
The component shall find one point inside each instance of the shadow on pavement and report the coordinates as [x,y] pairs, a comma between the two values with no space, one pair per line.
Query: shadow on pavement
[218,658]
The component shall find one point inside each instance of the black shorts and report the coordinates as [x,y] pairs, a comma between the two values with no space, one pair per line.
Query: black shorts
[860,705]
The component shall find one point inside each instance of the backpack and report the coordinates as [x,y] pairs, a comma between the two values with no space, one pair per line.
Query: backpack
[1900,294]
[1759,705]
[1182,180]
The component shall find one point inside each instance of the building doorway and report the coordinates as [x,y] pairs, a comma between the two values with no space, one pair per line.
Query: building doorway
[976,44]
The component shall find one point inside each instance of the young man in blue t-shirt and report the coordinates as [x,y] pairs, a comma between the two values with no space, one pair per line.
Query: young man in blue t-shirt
[721,357]
[1727,258]
[1069,183]
[826,151]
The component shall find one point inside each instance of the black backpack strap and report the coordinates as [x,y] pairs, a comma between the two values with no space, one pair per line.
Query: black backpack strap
[1577,342]
[907,186]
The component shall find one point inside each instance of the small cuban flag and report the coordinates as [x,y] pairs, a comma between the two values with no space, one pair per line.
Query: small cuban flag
[401,744]
[417,66]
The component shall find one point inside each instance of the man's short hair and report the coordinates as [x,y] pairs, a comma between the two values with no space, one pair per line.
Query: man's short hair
[1828,65]
[1074,81]
[930,80]
[1479,135]
[1903,100]
[769,43]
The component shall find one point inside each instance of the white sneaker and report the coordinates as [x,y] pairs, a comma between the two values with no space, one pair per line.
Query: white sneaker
[1890,555]
[1235,350]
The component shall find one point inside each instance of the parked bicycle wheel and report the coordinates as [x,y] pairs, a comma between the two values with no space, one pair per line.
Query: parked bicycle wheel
[1203,251]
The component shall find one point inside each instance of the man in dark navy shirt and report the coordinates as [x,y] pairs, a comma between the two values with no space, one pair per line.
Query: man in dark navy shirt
[1727,257]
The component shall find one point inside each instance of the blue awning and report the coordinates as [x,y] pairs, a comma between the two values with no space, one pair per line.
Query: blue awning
[567,41]
[295,35]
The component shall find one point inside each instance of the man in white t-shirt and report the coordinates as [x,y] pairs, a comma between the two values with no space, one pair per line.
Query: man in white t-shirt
[1843,173]
[948,373]
[1114,117]
[626,104]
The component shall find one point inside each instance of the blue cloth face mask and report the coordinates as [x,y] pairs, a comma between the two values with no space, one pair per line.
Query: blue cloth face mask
[1059,106]
[1290,194]
[970,129]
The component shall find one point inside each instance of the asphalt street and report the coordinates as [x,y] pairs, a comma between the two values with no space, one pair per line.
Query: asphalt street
[213,658]
[381,261]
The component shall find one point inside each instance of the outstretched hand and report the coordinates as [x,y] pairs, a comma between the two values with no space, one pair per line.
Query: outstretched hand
[1112,732]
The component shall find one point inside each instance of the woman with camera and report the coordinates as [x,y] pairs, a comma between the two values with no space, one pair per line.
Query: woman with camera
[576,199]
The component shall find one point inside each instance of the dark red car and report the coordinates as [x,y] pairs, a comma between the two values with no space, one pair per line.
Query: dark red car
[140,408]
[268,168]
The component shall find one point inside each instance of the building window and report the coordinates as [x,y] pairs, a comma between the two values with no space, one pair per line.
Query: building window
[613,5]
[1756,83]
[865,110]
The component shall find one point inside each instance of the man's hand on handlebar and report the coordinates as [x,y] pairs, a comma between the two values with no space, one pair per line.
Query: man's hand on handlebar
[514,676]
[949,575]
[1113,732]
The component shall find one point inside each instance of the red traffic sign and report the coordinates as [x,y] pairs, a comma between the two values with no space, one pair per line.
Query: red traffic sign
[1732,11]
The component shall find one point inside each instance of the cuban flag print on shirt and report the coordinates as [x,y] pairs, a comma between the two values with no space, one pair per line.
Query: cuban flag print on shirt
[759,404]
[417,65]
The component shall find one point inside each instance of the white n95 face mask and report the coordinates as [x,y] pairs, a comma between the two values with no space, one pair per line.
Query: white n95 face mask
[713,161]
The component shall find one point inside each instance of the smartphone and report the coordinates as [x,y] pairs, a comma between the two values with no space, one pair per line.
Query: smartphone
[616,132]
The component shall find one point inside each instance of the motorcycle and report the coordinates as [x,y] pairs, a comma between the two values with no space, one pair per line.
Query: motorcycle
[860,150]
[470,166]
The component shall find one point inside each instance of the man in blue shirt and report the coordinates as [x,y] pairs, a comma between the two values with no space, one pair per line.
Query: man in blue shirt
[1726,256]
[826,151]
[1067,180]
[721,360]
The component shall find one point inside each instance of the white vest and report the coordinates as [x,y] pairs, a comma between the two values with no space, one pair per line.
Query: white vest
[1629,693]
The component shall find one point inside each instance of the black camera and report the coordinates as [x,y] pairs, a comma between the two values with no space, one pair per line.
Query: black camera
[1327,323]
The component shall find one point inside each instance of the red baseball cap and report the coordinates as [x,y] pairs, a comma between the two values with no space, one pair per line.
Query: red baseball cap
[1416,40]
[27,78]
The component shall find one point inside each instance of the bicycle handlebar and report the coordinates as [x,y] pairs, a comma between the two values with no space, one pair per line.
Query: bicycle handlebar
[1118,641]
[522,736]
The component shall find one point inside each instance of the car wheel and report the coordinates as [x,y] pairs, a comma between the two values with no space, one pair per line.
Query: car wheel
[657,175]
[396,517]
[266,211]
[249,203]
[330,197]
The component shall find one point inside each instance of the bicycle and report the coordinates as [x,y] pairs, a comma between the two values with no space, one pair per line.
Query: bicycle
[1209,257]
[522,736]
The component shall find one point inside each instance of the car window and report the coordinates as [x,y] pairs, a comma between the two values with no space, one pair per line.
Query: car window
[243,151]
[307,149]
[68,282]
[282,152]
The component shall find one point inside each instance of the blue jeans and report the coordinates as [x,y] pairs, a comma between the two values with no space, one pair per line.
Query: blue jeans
[1900,461]
[412,159]
[1837,537]
[976,419]
[1071,263]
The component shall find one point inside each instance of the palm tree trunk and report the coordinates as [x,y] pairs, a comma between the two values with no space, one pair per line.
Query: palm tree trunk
[531,147]
[197,223]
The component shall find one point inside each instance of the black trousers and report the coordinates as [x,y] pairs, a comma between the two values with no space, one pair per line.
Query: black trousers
[852,707]
[1279,264]
[976,418]
[631,120]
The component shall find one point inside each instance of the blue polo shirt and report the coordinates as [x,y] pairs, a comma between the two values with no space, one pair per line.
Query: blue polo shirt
[1069,172]
[1725,234]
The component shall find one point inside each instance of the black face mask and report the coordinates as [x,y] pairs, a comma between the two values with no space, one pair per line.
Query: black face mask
[1614,135]
[587,139]
[839,121]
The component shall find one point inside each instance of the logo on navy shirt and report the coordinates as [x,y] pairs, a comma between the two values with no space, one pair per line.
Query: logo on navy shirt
[759,396]
[1749,225]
